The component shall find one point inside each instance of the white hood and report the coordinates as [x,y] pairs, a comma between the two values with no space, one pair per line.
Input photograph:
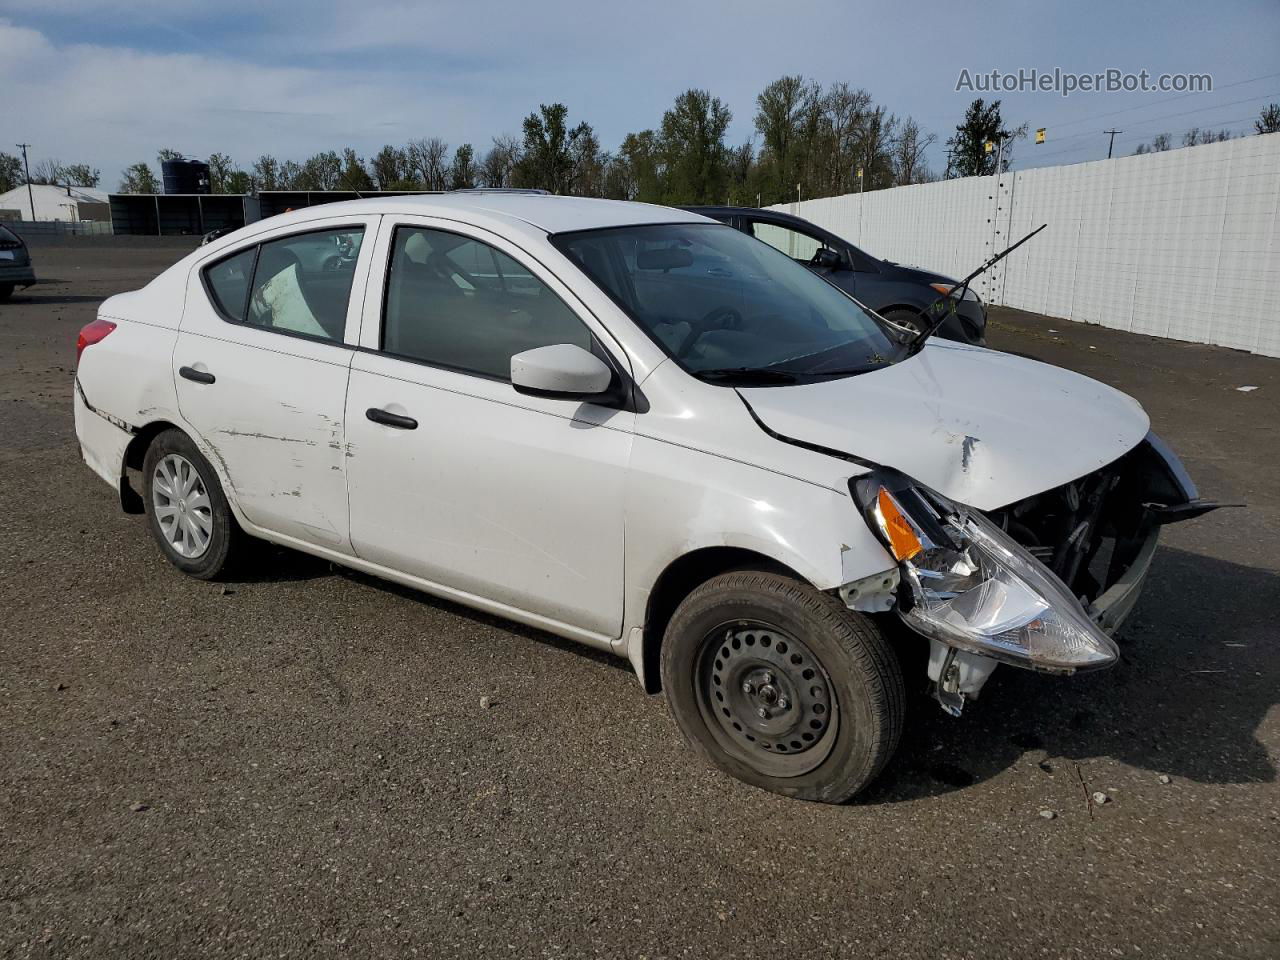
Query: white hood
[983,428]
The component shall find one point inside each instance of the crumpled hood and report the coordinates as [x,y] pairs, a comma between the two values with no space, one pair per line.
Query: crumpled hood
[983,428]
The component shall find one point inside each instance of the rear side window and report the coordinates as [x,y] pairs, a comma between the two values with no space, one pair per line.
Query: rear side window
[229,283]
[456,302]
[298,285]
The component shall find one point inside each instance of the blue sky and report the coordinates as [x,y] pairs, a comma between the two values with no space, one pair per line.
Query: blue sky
[109,83]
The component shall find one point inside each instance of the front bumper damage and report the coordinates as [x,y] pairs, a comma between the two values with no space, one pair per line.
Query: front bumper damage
[1097,534]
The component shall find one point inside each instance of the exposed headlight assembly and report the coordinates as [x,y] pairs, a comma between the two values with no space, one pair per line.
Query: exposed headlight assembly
[967,584]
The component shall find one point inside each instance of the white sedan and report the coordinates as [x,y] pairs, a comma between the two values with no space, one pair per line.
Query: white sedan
[640,429]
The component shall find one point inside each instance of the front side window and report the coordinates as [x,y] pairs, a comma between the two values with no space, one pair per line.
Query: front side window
[728,308]
[796,245]
[455,302]
[297,285]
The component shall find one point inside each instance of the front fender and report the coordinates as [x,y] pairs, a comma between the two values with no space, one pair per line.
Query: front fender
[680,500]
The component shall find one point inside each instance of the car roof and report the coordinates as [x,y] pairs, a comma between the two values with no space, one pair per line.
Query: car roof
[545,212]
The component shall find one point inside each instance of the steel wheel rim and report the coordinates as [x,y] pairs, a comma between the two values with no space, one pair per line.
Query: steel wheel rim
[766,698]
[181,505]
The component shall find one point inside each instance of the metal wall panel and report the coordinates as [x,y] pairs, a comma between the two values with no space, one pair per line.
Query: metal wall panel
[1181,244]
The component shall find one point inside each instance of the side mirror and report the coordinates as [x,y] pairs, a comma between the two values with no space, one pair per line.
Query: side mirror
[562,371]
[828,259]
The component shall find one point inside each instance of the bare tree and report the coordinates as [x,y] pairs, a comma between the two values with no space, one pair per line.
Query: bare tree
[390,168]
[499,164]
[47,171]
[907,153]
[428,159]
[1269,120]
[81,175]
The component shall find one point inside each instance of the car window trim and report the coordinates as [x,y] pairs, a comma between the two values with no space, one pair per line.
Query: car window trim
[253,275]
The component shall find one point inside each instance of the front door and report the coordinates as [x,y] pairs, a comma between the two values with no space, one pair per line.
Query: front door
[455,477]
[261,367]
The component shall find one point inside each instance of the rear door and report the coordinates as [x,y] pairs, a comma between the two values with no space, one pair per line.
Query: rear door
[261,367]
[455,478]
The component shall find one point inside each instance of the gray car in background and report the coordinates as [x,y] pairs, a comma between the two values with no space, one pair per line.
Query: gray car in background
[896,292]
[15,263]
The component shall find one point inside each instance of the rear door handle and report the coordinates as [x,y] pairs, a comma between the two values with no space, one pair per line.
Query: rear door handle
[378,415]
[199,376]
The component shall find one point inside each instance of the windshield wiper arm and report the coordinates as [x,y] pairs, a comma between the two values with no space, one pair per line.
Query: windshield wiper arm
[956,294]
[745,375]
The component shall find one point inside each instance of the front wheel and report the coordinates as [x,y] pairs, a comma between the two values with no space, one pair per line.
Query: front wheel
[6,291]
[913,320]
[186,508]
[781,686]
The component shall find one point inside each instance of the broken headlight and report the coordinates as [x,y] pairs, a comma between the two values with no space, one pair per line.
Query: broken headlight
[967,584]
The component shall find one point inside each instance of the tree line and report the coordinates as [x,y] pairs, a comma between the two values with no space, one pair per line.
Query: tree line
[808,141]
[1268,122]
[807,137]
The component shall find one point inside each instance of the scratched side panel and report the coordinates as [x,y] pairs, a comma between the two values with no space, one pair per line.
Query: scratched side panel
[273,422]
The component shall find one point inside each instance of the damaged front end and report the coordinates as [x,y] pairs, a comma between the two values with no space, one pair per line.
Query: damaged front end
[1041,583]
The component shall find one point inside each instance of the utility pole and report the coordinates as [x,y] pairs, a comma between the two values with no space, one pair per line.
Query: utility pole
[27,167]
[1113,140]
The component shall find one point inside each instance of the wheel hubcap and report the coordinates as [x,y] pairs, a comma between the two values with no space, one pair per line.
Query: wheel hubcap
[768,697]
[182,506]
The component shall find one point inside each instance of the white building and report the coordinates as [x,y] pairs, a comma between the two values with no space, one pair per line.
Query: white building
[54,203]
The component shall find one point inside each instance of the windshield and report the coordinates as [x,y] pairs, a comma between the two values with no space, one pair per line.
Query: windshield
[728,307]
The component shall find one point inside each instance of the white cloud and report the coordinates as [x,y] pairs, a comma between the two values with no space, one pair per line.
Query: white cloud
[112,106]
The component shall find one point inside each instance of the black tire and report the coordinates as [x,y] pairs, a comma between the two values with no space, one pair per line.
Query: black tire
[224,540]
[6,291]
[911,319]
[725,636]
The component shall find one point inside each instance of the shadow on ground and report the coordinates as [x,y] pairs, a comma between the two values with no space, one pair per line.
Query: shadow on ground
[1197,675]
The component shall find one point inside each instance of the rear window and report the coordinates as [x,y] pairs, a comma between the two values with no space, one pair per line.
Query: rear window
[8,235]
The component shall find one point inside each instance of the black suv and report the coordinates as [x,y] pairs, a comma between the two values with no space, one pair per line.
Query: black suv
[15,263]
[895,292]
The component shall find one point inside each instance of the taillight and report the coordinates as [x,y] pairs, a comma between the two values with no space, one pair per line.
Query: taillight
[92,334]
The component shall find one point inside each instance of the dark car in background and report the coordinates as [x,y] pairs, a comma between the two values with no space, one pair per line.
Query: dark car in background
[895,292]
[15,263]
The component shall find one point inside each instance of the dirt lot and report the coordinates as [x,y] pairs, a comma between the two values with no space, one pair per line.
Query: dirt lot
[299,765]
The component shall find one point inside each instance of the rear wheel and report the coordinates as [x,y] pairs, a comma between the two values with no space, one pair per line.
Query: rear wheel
[186,508]
[781,686]
[6,290]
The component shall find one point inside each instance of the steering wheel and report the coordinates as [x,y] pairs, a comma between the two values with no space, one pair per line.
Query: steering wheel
[729,319]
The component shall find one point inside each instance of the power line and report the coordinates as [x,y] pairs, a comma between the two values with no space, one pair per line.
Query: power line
[1167,116]
[1137,137]
[1152,103]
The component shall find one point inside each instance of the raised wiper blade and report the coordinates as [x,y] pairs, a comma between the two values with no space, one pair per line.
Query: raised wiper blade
[745,375]
[947,302]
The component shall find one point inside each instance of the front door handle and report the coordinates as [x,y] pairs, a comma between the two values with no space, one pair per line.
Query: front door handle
[199,376]
[378,415]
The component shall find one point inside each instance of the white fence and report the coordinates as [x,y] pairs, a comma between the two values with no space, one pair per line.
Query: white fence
[1182,244]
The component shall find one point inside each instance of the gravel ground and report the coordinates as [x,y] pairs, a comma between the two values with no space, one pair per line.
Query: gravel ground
[298,764]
